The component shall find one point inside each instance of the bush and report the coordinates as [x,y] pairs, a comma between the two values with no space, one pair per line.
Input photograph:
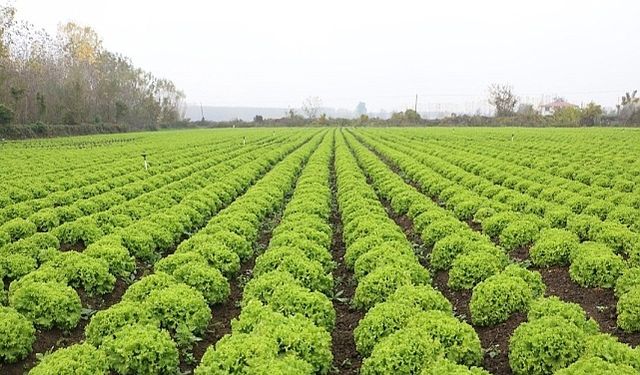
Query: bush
[448,248]
[6,115]
[45,219]
[216,254]
[79,359]
[554,247]
[618,237]
[544,346]
[460,341]
[407,351]
[572,312]
[47,304]
[310,273]
[595,366]
[15,266]
[496,298]
[439,229]
[532,278]
[402,256]
[106,323]
[494,225]
[582,225]
[557,217]
[84,230]
[595,265]
[628,309]
[382,282]
[180,309]
[263,287]
[236,354]
[141,350]
[16,335]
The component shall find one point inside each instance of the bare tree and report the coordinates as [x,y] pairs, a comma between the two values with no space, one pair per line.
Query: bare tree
[503,99]
[311,107]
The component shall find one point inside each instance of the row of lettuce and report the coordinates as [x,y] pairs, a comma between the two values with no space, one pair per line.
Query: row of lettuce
[500,290]
[286,309]
[599,253]
[176,298]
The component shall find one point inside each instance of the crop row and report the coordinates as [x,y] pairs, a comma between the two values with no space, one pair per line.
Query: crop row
[287,314]
[503,291]
[46,299]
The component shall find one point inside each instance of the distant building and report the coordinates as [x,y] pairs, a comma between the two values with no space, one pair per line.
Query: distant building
[550,108]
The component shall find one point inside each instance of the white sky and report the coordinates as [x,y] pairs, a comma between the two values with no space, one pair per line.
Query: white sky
[276,53]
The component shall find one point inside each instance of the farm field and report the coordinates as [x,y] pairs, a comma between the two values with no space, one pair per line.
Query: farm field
[367,251]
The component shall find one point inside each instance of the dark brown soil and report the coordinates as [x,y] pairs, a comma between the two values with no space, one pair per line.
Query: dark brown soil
[79,246]
[346,359]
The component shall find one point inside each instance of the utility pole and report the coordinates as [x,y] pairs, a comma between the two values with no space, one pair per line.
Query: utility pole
[202,112]
[415,107]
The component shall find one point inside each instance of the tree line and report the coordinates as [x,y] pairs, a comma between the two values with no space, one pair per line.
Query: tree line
[71,79]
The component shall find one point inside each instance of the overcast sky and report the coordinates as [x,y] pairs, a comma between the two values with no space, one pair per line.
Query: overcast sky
[276,53]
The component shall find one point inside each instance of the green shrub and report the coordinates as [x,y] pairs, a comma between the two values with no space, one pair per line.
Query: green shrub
[84,230]
[424,297]
[593,366]
[582,225]
[120,263]
[496,298]
[439,229]
[618,237]
[216,254]
[47,304]
[382,282]
[407,351]
[312,251]
[83,271]
[310,273]
[378,257]
[595,265]
[448,248]
[262,288]
[554,247]
[445,367]
[15,266]
[379,322]
[180,309]
[572,312]
[544,346]
[106,323]
[459,340]
[16,335]
[33,246]
[363,245]
[532,278]
[207,280]
[628,309]
[469,269]
[18,228]
[79,359]
[284,365]
[141,350]
[557,217]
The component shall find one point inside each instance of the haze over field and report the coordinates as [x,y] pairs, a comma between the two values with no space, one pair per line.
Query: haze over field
[277,53]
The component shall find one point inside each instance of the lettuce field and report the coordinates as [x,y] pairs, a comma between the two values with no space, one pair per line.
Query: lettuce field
[425,251]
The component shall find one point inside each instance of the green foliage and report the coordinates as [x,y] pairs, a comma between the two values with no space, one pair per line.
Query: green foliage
[47,304]
[83,271]
[572,312]
[18,228]
[402,256]
[384,281]
[553,247]
[309,273]
[84,230]
[141,289]
[532,278]
[106,323]
[608,348]
[79,359]
[6,114]
[593,366]
[15,266]
[380,321]
[438,230]
[445,367]
[544,346]
[459,340]
[628,309]
[423,297]
[17,335]
[207,280]
[407,351]
[180,309]
[45,219]
[216,254]
[495,224]
[595,265]
[519,233]
[120,263]
[496,298]
[141,349]
[469,269]
[629,279]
